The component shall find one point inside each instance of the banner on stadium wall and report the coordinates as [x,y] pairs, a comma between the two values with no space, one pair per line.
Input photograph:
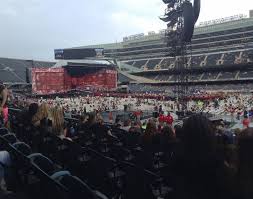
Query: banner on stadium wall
[57,80]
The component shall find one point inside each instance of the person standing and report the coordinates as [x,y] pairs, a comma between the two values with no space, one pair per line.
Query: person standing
[169,119]
[246,122]
[110,116]
[3,103]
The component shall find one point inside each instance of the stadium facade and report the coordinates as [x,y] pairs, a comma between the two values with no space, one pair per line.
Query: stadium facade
[221,54]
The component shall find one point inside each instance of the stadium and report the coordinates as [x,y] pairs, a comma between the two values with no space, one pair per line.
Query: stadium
[220,57]
[166,114]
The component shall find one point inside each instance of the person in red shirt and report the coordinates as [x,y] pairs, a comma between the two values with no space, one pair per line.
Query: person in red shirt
[246,122]
[161,118]
[169,119]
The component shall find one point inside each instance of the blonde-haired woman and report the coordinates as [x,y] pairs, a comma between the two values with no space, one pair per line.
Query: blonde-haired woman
[41,114]
[57,118]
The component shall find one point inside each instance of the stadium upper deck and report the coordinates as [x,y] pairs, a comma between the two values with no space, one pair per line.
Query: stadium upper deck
[227,34]
[14,71]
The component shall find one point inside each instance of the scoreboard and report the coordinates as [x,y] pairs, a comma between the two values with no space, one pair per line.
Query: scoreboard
[84,53]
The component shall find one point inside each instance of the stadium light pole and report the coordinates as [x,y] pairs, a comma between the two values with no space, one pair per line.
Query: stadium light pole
[180,16]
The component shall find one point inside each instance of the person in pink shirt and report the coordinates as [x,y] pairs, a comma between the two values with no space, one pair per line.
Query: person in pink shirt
[3,102]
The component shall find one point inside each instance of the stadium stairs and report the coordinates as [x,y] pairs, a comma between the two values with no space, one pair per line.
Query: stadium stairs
[124,70]
[137,79]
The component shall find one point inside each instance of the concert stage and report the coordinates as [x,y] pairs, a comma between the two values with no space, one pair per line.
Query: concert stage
[75,74]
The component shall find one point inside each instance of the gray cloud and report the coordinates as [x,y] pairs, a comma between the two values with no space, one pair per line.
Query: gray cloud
[32,29]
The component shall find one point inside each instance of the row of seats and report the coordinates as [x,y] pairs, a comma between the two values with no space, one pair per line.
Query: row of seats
[230,58]
[114,166]
[14,70]
[207,76]
[107,165]
[164,89]
[38,176]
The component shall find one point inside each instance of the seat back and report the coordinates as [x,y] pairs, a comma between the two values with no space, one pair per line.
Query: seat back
[42,162]
[76,187]
[23,148]
[3,131]
[10,137]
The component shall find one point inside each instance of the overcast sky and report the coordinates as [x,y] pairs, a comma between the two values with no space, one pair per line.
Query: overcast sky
[32,29]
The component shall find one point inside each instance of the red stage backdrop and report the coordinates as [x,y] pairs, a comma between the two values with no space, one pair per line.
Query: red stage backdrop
[57,80]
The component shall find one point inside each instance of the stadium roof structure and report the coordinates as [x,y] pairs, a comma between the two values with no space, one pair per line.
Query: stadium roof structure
[85,63]
[214,26]
[236,24]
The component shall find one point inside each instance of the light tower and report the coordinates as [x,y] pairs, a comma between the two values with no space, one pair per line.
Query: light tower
[180,16]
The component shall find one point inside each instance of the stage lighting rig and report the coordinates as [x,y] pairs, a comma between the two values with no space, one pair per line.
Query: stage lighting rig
[169,1]
[180,16]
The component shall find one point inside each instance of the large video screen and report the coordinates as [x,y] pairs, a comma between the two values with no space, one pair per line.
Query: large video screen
[78,53]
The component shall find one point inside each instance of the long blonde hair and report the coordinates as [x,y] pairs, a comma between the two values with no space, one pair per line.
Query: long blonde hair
[41,113]
[57,118]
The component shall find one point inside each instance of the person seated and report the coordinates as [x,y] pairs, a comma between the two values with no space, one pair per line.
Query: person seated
[135,127]
[42,114]
[126,125]
[168,134]
[200,166]
[5,161]
[95,126]
[57,118]
[147,137]
[82,121]
[244,176]
[26,116]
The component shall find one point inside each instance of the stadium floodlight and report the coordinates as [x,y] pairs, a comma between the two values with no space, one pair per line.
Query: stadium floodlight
[197,5]
[169,1]
[172,15]
[182,16]
[171,5]
[172,23]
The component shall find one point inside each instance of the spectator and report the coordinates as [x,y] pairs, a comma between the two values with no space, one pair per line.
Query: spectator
[178,132]
[169,119]
[245,164]
[168,133]
[135,127]
[161,118]
[95,125]
[82,122]
[26,116]
[57,118]
[3,102]
[149,133]
[5,161]
[41,116]
[200,166]
[118,123]
[110,117]
[126,125]
[246,122]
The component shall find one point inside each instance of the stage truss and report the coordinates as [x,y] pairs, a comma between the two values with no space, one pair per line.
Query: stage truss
[180,16]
